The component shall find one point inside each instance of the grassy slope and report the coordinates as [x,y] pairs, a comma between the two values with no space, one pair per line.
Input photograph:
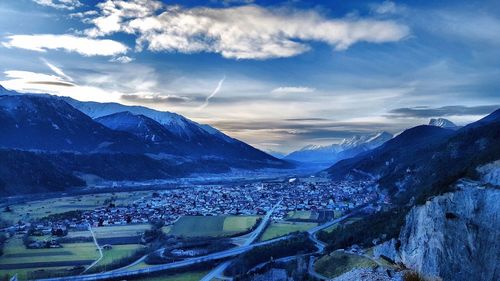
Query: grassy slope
[338,263]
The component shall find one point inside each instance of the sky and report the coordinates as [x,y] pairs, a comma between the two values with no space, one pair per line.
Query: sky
[277,74]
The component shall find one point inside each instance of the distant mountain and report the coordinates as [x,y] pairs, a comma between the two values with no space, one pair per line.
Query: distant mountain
[332,153]
[424,160]
[276,154]
[443,123]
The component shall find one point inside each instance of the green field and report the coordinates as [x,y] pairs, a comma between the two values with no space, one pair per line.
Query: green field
[302,215]
[41,208]
[214,226]
[277,229]
[118,252]
[22,260]
[337,263]
[120,230]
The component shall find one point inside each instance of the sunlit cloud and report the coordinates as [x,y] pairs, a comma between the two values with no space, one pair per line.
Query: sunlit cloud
[70,43]
[242,32]
[155,98]
[292,90]
[121,59]
[60,4]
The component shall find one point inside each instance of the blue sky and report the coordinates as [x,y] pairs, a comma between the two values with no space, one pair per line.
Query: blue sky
[277,74]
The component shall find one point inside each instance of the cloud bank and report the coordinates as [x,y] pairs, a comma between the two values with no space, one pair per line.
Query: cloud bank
[291,90]
[60,4]
[242,32]
[455,110]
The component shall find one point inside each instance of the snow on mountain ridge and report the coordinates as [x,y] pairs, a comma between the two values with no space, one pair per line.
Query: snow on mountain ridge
[175,123]
[347,148]
[443,123]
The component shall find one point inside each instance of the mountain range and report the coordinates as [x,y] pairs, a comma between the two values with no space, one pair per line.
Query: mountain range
[111,141]
[423,161]
[347,148]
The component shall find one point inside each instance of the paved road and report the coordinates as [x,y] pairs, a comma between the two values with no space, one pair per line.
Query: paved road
[99,248]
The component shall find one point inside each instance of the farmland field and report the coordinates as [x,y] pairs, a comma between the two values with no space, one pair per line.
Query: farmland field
[196,226]
[18,259]
[120,234]
[303,215]
[120,230]
[41,208]
[277,229]
[117,252]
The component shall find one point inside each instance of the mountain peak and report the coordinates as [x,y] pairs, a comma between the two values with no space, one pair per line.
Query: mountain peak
[443,123]
[4,91]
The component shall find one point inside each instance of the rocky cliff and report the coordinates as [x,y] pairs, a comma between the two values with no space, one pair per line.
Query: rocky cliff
[453,236]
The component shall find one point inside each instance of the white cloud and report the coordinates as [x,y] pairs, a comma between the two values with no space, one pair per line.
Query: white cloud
[292,90]
[242,32]
[60,4]
[122,59]
[33,82]
[69,43]
[387,7]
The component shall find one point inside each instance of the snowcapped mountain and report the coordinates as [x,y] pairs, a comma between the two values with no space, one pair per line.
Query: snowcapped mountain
[335,152]
[173,122]
[424,160]
[45,123]
[61,143]
[443,123]
[137,124]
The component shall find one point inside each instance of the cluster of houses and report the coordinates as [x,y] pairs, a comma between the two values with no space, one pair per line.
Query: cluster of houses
[237,199]
[246,199]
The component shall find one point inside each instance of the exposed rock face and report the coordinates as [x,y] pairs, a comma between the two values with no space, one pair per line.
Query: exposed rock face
[490,173]
[387,250]
[454,236]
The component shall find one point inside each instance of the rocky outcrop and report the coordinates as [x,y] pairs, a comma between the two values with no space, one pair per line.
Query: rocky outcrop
[490,173]
[454,236]
[388,251]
